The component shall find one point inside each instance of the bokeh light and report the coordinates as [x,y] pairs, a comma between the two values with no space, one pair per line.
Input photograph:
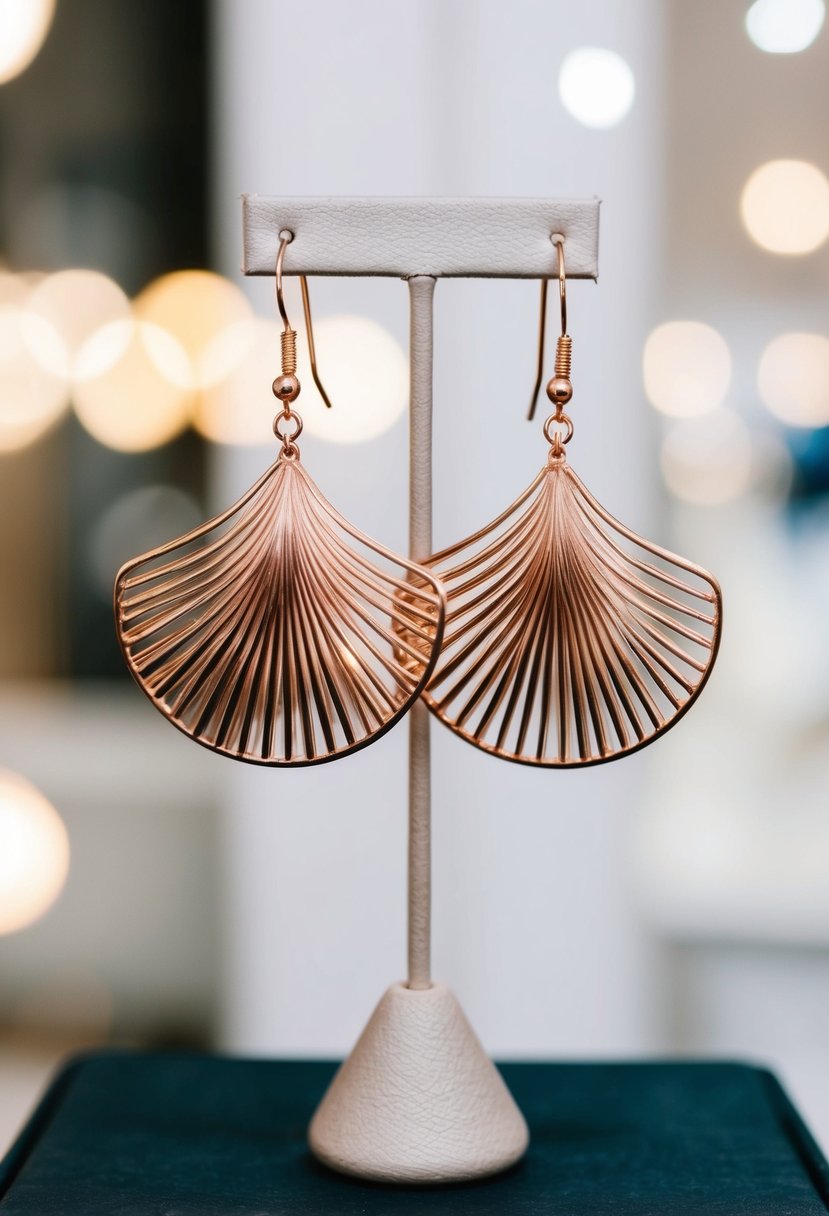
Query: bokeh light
[133,389]
[708,461]
[24,25]
[363,368]
[34,853]
[195,306]
[74,304]
[236,404]
[596,86]
[365,373]
[783,27]
[793,379]
[31,397]
[785,206]
[686,367]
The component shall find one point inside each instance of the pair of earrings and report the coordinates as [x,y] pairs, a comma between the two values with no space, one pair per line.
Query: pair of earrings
[279,634]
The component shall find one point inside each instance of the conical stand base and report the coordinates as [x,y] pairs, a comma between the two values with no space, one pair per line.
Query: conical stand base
[418,1099]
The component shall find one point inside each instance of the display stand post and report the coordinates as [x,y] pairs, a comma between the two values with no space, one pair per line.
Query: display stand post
[421,295]
[418,1100]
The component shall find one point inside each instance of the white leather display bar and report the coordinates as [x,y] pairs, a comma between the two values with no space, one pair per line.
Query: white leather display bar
[401,237]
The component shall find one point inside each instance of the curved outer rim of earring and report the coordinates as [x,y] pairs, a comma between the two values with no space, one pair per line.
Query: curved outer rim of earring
[216,522]
[657,551]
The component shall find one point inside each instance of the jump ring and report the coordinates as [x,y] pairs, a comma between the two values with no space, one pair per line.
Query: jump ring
[288,437]
[556,437]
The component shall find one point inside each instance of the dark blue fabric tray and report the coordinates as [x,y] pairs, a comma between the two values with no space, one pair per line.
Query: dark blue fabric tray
[177,1135]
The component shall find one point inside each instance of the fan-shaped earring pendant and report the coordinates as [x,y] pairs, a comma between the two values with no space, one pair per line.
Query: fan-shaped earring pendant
[277,633]
[569,640]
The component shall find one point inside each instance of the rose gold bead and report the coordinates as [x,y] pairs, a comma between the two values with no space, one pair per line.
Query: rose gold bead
[559,390]
[286,388]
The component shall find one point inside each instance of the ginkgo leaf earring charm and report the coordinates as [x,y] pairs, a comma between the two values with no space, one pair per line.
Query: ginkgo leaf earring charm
[569,639]
[277,633]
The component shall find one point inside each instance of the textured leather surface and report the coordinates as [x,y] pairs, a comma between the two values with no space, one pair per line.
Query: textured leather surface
[418,1099]
[421,293]
[449,237]
[199,1136]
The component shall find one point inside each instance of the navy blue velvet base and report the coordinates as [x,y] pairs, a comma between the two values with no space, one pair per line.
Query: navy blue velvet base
[175,1135]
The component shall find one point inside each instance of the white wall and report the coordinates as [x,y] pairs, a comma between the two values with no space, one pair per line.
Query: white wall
[533,922]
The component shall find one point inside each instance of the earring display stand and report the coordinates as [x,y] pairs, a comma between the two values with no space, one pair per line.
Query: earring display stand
[418,1100]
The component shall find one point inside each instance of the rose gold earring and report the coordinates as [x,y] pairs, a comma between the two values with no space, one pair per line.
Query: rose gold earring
[277,633]
[569,639]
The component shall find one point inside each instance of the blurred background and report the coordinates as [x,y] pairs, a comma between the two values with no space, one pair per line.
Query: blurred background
[154,894]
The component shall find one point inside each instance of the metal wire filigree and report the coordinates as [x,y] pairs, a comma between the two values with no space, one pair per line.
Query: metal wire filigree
[569,640]
[277,633]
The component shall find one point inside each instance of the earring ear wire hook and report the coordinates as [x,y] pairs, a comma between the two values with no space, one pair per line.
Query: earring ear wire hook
[285,239]
[542,321]
[309,330]
[289,334]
